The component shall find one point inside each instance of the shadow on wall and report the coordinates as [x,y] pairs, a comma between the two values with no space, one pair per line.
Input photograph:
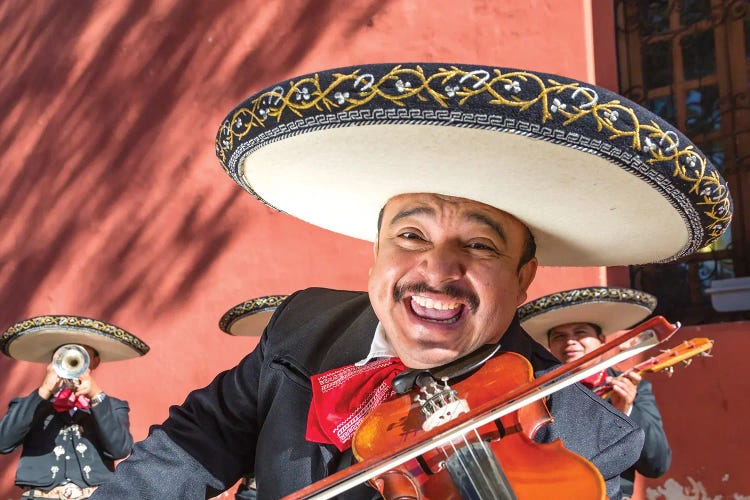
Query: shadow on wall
[109,114]
[112,201]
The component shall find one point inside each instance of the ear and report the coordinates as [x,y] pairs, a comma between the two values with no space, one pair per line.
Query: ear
[525,276]
[94,362]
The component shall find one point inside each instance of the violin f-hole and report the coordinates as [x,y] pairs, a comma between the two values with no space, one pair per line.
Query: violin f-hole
[397,485]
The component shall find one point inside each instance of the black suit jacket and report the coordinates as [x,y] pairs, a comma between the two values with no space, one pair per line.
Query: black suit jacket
[656,455]
[81,447]
[253,417]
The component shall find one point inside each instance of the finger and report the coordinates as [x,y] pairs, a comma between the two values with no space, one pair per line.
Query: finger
[619,390]
[634,377]
[625,392]
[624,382]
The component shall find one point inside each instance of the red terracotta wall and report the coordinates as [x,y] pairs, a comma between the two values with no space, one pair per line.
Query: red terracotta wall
[114,206]
[705,407]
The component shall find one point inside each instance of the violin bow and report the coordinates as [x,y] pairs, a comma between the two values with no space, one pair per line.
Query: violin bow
[684,352]
[642,337]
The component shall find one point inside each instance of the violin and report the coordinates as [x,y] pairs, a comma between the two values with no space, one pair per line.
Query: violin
[500,457]
[474,439]
[666,360]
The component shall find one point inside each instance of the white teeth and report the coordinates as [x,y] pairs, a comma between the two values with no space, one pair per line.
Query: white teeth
[434,304]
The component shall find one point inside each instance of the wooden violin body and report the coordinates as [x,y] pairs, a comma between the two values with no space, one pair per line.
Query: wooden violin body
[482,432]
[526,468]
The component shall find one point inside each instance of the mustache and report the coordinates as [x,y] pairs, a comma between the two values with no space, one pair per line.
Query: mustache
[452,291]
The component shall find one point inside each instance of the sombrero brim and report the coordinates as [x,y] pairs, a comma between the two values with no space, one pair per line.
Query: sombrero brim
[251,317]
[598,179]
[36,339]
[612,309]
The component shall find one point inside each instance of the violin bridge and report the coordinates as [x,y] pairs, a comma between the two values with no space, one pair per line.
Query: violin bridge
[439,404]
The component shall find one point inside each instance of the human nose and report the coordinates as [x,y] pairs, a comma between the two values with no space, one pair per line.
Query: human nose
[442,265]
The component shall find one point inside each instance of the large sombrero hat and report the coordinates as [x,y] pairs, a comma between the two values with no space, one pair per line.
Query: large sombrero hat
[611,308]
[36,339]
[250,318]
[598,179]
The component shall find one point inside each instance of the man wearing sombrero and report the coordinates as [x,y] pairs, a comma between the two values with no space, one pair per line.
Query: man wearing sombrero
[476,174]
[575,322]
[70,430]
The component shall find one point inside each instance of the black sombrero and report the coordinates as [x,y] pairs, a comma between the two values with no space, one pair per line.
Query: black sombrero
[250,318]
[36,339]
[611,308]
[598,179]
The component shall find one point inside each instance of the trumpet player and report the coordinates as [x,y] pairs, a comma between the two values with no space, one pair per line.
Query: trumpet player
[70,430]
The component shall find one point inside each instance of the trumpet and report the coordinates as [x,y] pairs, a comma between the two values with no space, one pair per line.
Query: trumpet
[70,361]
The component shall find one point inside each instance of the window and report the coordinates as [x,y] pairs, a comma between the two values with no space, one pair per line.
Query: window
[689,62]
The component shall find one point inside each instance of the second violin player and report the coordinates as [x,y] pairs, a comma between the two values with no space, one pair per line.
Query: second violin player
[575,322]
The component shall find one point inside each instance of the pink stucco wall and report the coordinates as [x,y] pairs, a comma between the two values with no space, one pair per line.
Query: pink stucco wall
[704,406]
[113,205]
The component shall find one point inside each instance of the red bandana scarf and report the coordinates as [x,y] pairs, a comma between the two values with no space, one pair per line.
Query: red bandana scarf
[66,400]
[595,380]
[342,397]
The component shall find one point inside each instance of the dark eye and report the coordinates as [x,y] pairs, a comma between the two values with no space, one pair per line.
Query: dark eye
[479,246]
[410,235]
[476,245]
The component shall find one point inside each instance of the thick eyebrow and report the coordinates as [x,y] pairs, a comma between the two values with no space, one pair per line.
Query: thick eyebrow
[411,211]
[476,216]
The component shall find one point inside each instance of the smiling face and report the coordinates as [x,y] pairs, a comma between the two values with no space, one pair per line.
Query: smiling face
[571,341]
[446,277]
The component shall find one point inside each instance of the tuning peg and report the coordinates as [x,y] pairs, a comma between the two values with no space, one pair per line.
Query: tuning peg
[687,362]
[670,371]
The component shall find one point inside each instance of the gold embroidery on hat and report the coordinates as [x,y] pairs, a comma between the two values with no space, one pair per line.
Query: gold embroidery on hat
[586,295]
[306,97]
[251,306]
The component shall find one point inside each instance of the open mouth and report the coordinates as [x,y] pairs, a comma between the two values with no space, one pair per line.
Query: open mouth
[437,311]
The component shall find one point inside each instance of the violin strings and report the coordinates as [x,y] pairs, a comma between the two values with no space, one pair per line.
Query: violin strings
[479,477]
[487,456]
[500,484]
[468,472]
[497,479]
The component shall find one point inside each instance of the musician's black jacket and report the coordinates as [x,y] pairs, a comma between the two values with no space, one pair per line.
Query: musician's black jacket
[56,446]
[253,417]
[656,455]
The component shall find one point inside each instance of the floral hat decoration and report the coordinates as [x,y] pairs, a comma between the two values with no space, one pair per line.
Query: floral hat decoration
[610,308]
[598,179]
[36,339]
[251,317]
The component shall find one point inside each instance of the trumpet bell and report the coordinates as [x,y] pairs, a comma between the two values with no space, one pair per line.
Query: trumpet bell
[70,361]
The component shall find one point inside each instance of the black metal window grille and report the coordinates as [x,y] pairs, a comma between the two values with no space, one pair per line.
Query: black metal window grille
[689,62]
